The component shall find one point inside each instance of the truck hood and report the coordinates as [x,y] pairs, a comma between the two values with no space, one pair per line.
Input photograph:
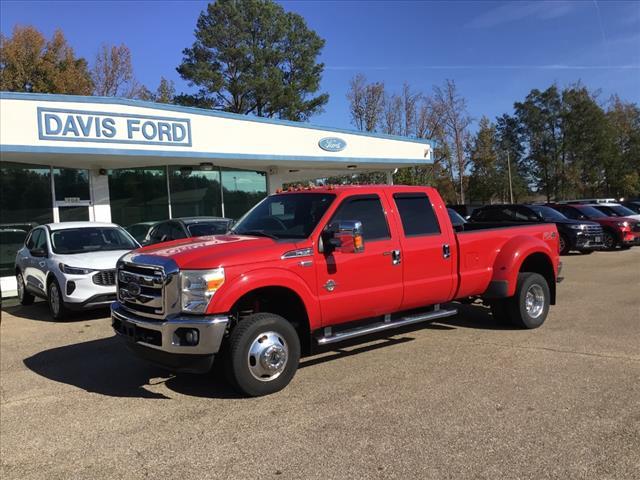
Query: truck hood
[219,250]
[98,260]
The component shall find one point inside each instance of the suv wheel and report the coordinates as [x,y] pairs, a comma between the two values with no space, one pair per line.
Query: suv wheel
[530,305]
[564,245]
[263,354]
[610,241]
[56,304]
[25,297]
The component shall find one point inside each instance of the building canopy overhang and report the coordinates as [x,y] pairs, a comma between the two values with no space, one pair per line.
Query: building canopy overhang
[107,133]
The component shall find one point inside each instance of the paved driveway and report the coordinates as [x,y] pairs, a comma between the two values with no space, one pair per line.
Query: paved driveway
[464,398]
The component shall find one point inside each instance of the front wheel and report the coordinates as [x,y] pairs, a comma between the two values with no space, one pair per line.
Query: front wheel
[56,304]
[530,305]
[263,354]
[610,241]
[564,245]
[24,297]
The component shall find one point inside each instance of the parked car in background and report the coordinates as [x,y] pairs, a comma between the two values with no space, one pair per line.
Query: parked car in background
[179,228]
[11,240]
[581,235]
[633,205]
[617,231]
[140,230]
[616,210]
[457,220]
[71,265]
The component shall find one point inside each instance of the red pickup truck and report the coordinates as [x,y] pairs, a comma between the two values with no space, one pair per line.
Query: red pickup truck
[311,267]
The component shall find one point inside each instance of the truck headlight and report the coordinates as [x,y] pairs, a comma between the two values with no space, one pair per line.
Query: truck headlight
[623,224]
[577,227]
[198,287]
[74,270]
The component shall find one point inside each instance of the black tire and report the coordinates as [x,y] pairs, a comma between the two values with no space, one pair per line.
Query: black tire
[54,299]
[564,245]
[586,252]
[25,297]
[610,241]
[625,247]
[243,368]
[536,285]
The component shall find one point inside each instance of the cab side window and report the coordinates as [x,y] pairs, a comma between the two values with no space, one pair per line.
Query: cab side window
[37,240]
[368,210]
[416,213]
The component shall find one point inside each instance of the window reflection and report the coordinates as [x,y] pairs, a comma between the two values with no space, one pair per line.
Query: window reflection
[194,192]
[71,183]
[25,202]
[242,190]
[138,195]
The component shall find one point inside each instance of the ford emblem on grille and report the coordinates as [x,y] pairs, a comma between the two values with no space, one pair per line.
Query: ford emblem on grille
[133,289]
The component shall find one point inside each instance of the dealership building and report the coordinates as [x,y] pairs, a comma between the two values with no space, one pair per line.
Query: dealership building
[67,158]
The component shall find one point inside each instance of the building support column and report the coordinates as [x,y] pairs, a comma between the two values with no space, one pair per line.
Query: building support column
[100,195]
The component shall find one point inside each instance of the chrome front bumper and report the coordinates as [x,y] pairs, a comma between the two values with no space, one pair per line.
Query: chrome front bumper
[162,335]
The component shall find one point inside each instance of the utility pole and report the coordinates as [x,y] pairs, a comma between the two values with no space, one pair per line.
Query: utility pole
[510,186]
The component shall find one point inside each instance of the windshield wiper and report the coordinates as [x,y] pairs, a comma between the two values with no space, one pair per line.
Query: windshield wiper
[257,233]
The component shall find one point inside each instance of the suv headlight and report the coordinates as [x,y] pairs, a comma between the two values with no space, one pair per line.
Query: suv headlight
[623,224]
[75,270]
[577,227]
[198,287]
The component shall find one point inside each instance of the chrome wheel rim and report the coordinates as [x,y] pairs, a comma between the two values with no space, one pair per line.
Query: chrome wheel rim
[534,301]
[268,356]
[20,285]
[54,299]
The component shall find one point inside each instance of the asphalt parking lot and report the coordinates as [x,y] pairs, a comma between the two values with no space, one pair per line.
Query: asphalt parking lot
[466,398]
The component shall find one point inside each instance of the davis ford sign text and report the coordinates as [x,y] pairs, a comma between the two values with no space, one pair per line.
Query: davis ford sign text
[86,126]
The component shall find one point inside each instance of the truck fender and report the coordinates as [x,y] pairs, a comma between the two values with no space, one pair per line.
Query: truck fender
[267,277]
[509,260]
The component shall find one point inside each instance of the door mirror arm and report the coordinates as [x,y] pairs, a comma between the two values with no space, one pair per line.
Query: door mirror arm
[38,252]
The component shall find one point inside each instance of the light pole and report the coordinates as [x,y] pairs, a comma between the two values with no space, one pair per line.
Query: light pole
[510,186]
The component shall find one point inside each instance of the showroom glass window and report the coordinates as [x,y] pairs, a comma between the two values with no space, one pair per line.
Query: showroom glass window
[25,202]
[195,192]
[138,195]
[71,185]
[242,190]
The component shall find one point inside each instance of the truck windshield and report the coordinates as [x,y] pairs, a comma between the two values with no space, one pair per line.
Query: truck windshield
[290,215]
[91,239]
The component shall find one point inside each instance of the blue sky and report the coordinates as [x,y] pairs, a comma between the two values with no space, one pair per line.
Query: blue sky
[495,51]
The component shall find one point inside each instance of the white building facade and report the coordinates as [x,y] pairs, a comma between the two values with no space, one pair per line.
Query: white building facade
[65,157]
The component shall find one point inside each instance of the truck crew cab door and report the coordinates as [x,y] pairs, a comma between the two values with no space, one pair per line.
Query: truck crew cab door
[428,249]
[354,286]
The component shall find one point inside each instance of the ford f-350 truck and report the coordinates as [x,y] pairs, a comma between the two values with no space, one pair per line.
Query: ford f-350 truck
[316,266]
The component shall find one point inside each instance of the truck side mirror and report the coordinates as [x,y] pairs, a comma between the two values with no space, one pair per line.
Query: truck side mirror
[344,236]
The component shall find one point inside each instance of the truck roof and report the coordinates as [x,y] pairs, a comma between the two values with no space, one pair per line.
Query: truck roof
[352,188]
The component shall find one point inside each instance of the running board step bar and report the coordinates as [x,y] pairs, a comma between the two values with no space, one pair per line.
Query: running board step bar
[381,326]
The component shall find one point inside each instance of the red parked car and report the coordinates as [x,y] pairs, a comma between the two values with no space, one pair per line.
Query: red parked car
[620,232]
[317,266]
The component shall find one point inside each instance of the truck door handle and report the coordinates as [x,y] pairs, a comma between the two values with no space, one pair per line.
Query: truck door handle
[396,256]
[446,251]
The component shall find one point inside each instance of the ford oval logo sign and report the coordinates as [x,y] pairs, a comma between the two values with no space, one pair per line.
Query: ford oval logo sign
[332,144]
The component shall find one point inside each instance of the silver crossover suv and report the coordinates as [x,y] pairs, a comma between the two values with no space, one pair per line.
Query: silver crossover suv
[71,265]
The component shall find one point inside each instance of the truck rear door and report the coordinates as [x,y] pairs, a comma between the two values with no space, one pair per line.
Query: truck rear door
[429,269]
[353,286]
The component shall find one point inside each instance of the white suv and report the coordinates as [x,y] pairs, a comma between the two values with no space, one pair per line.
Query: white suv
[71,265]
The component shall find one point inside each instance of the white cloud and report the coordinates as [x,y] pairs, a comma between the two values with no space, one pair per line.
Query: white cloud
[514,11]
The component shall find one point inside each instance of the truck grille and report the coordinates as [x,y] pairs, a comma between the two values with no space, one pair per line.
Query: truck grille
[105,278]
[140,288]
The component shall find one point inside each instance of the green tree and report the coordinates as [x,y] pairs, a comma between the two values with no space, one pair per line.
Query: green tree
[510,159]
[484,179]
[252,57]
[622,168]
[30,63]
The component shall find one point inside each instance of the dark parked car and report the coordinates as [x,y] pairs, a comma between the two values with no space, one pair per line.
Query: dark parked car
[632,205]
[457,220]
[583,236]
[140,230]
[178,228]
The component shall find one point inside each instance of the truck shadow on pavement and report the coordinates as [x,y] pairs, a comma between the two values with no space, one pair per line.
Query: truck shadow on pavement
[106,367]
